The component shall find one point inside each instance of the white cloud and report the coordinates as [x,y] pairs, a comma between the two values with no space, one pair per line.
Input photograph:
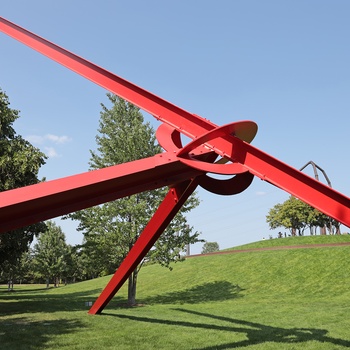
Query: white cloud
[51,152]
[57,139]
[260,193]
[36,139]
[39,140]
[46,141]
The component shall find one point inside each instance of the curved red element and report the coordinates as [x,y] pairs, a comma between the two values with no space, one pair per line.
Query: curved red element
[214,168]
[234,185]
[244,130]
[169,138]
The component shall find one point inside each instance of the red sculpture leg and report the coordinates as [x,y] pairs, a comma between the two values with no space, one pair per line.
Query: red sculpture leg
[171,204]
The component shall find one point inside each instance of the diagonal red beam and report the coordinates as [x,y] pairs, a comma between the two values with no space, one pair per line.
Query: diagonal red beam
[27,205]
[300,185]
[171,204]
[183,121]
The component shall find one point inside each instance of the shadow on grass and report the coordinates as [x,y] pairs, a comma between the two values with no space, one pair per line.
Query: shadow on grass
[4,291]
[45,293]
[19,303]
[213,291]
[36,334]
[256,333]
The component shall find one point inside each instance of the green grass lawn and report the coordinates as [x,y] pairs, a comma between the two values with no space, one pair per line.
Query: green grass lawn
[295,241]
[280,299]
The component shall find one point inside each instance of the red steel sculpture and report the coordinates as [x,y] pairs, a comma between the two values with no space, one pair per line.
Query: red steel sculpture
[213,149]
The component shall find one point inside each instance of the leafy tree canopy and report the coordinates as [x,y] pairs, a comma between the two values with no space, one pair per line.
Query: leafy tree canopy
[19,166]
[50,253]
[210,247]
[296,216]
[110,230]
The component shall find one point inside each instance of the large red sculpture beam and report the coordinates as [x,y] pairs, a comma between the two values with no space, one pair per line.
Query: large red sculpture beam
[180,168]
[21,207]
[172,203]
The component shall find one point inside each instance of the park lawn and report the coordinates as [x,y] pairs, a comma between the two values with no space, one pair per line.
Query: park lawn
[280,299]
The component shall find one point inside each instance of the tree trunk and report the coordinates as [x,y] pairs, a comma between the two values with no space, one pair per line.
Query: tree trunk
[132,288]
[337,232]
[10,285]
[56,282]
[47,282]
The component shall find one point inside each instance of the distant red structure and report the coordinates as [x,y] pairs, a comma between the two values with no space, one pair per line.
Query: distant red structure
[213,149]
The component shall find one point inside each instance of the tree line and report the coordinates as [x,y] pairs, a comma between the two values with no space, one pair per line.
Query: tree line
[50,260]
[298,217]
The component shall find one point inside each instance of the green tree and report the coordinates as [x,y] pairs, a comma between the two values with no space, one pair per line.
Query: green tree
[19,166]
[293,215]
[110,230]
[24,271]
[18,271]
[210,247]
[50,254]
[74,269]
[8,272]
[296,216]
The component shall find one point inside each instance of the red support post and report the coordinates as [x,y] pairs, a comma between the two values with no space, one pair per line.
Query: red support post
[171,204]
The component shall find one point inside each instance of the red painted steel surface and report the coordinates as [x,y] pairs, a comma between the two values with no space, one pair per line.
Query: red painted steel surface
[189,124]
[173,201]
[181,168]
[24,206]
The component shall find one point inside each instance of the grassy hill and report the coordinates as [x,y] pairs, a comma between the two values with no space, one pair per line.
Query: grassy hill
[296,241]
[257,299]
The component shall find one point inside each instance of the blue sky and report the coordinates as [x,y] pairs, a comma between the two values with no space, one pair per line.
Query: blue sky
[282,64]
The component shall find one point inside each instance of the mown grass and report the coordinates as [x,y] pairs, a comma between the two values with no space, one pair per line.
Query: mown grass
[281,299]
[295,241]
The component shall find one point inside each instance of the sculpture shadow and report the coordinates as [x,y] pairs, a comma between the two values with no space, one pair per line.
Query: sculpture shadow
[211,291]
[23,332]
[256,333]
[20,303]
